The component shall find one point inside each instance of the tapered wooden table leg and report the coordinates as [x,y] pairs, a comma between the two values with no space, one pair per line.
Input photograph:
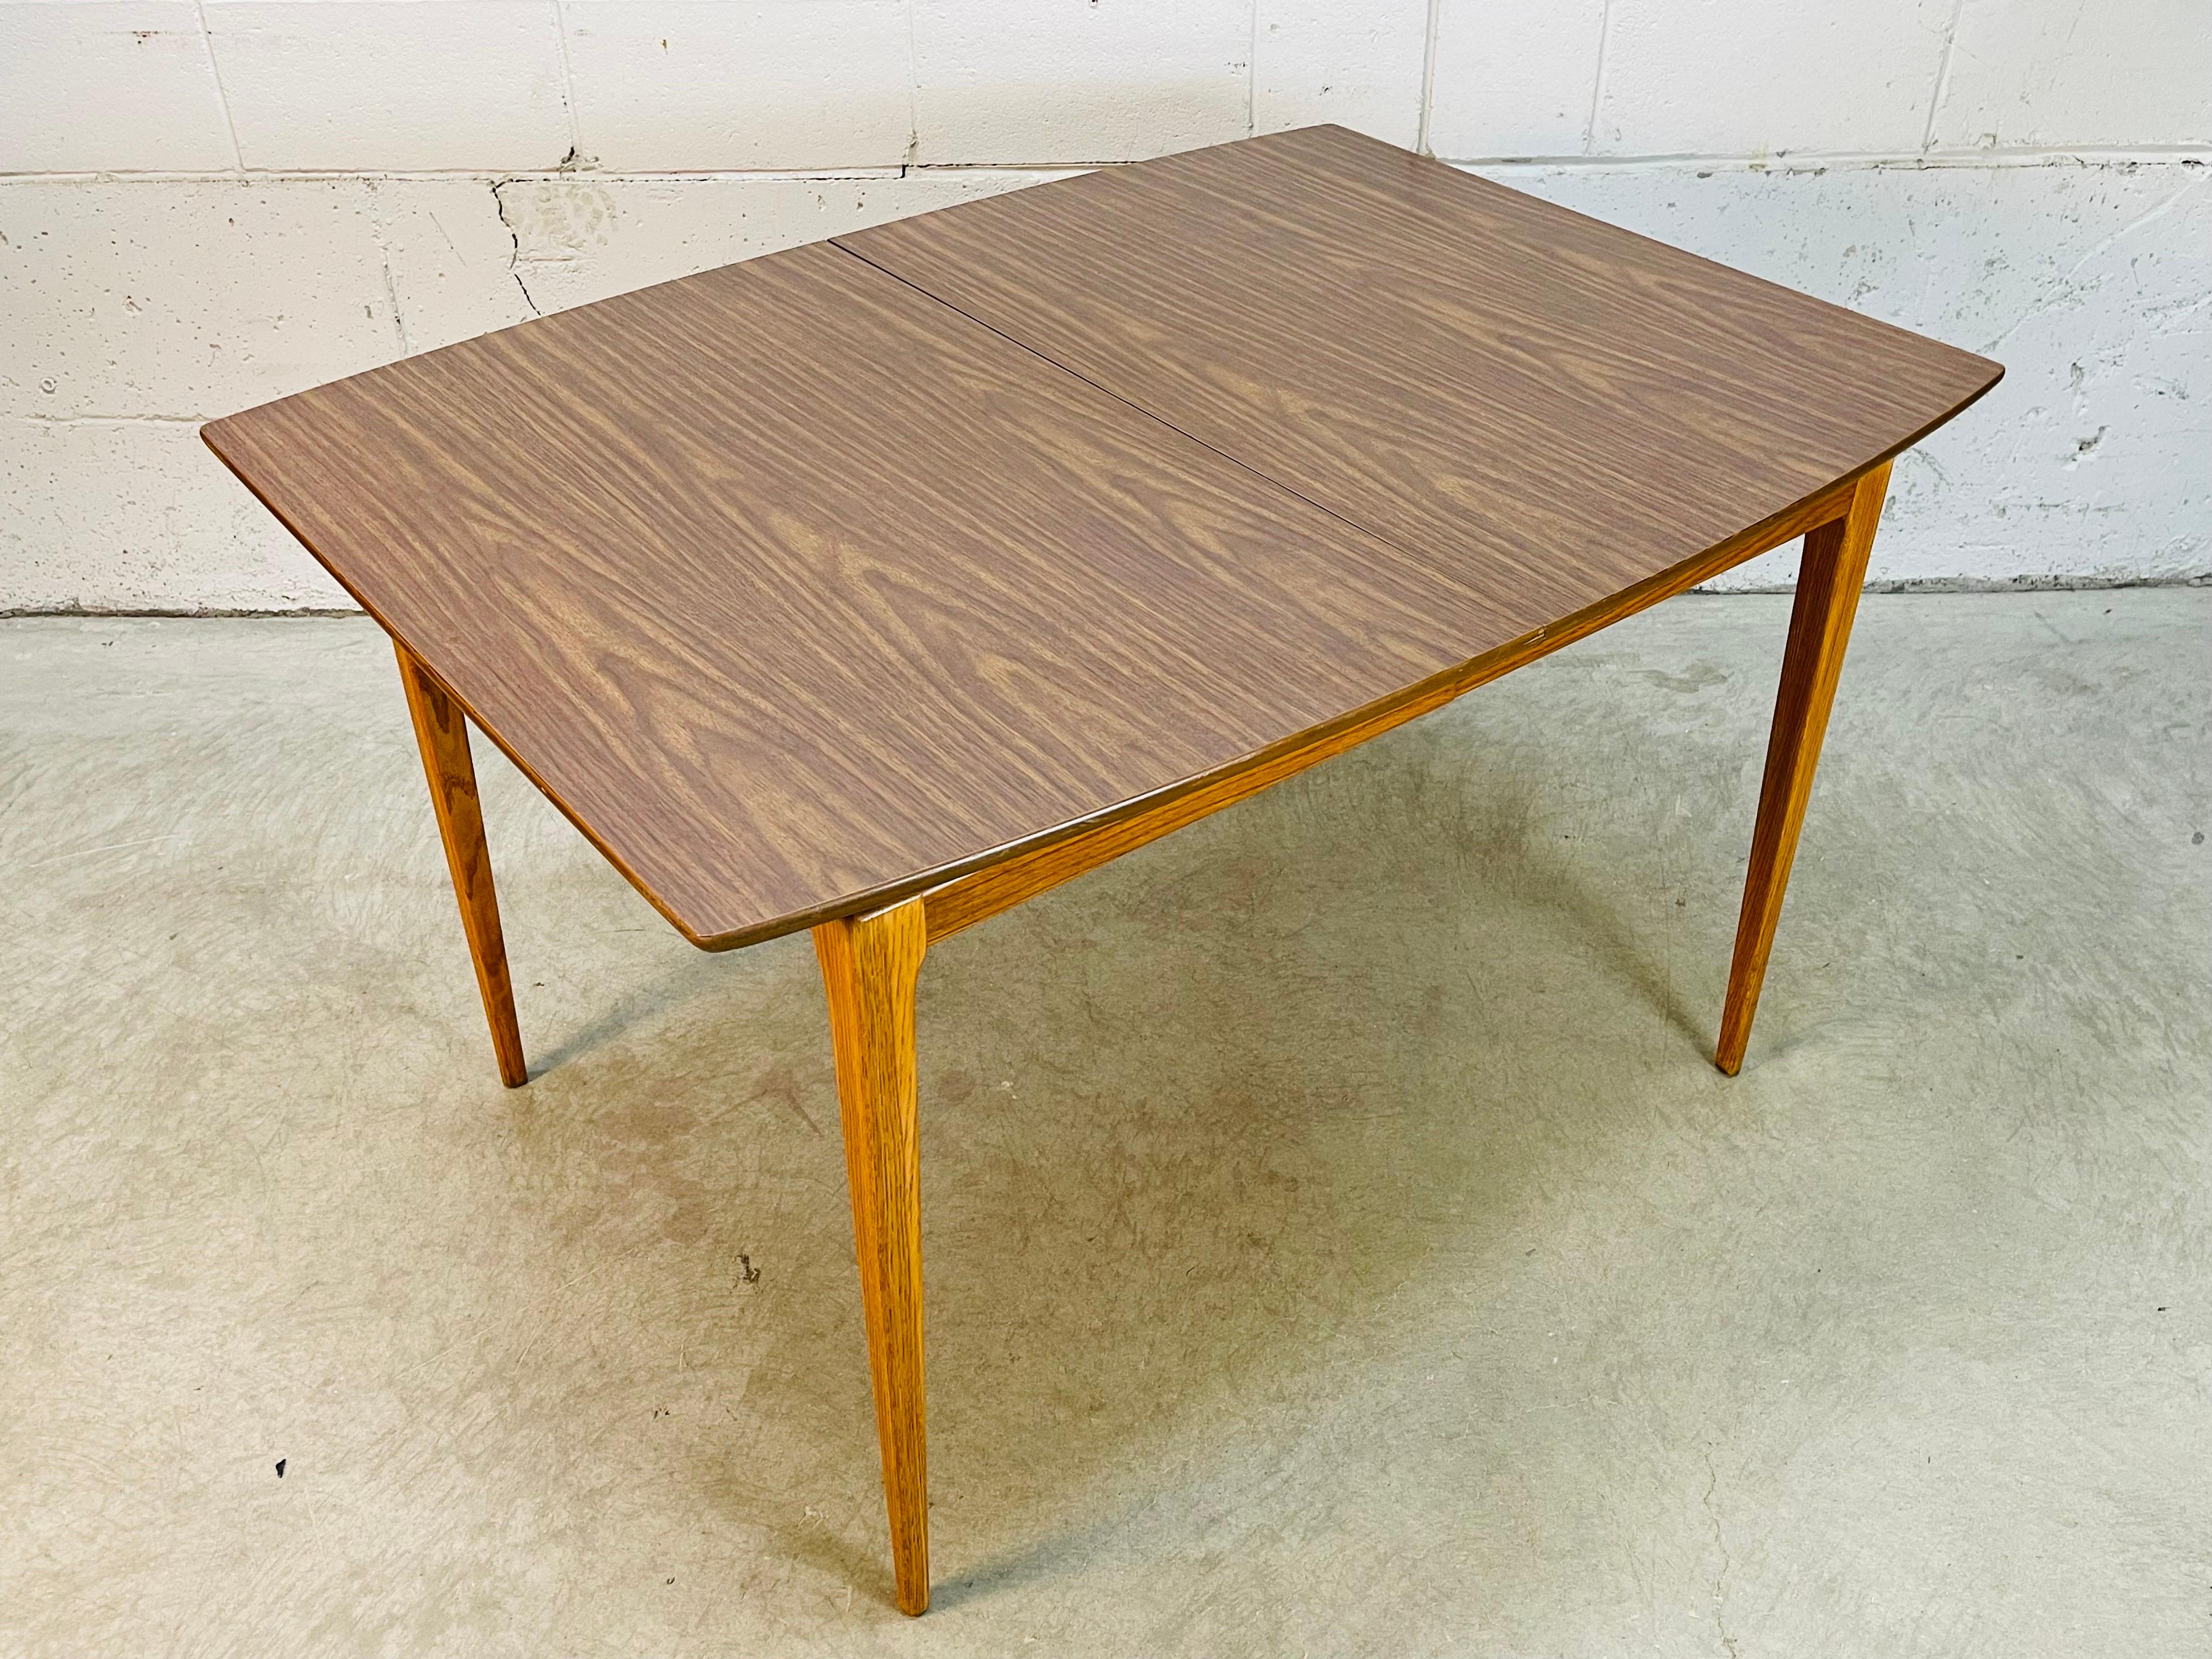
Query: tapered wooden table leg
[869,964]
[1828,581]
[443,730]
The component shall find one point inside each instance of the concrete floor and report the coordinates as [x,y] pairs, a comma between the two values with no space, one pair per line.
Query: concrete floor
[1338,1240]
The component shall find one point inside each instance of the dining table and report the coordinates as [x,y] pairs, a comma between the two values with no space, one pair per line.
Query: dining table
[878,585]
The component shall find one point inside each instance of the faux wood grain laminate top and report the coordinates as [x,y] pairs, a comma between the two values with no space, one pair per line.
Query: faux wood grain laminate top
[791,584]
[1532,397]
[800,592]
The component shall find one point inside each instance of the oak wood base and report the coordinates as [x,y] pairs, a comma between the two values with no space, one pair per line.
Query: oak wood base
[443,730]
[869,963]
[868,968]
[1828,581]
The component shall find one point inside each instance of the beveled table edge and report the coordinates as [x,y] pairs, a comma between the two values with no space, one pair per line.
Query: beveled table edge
[1407,703]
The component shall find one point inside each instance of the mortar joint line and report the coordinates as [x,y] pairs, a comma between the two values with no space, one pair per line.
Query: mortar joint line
[221,93]
[1942,88]
[567,85]
[1776,161]
[1421,141]
[913,98]
[1598,77]
[1252,75]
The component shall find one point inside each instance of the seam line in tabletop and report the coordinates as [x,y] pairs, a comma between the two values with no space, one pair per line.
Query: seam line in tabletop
[1149,414]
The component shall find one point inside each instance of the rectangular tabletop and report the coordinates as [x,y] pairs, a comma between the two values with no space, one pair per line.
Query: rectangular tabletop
[807,584]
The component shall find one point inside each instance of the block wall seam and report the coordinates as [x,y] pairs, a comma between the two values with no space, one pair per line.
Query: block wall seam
[1778,162]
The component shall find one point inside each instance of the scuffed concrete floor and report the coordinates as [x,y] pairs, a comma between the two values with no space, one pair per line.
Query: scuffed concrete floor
[1338,1240]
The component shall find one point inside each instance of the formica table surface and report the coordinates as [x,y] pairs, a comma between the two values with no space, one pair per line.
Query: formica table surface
[806,585]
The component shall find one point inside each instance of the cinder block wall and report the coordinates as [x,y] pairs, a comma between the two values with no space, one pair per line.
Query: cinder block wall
[210,203]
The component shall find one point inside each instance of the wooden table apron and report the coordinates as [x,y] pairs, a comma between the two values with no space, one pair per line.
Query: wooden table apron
[881,585]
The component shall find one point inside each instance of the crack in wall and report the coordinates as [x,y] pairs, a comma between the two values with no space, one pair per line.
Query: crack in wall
[378,234]
[514,235]
[1728,1561]
[2065,291]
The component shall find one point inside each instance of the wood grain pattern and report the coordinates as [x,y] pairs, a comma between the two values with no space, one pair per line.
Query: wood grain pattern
[801,592]
[869,964]
[973,899]
[1828,581]
[1474,374]
[793,588]
[443,735]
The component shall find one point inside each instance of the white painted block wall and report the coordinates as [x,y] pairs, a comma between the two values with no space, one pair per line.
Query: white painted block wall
[207,204]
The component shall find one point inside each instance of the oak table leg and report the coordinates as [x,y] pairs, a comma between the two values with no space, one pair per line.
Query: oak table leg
[1828,581]
[443,730]
[869,964]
